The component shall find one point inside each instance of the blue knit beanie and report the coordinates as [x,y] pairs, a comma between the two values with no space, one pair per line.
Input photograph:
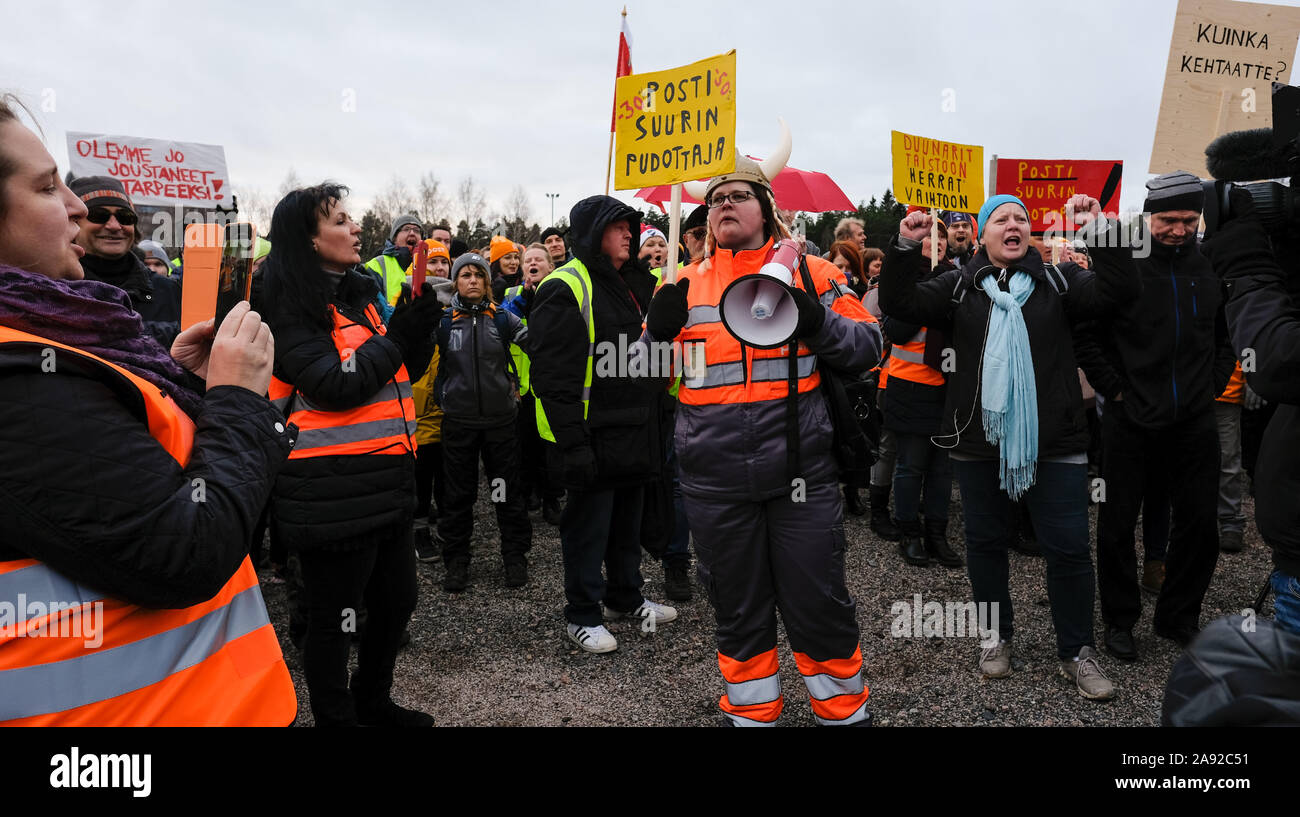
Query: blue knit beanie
[996,202]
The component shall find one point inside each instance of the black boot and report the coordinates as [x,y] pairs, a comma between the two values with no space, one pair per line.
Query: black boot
[912,545]
[853,502]
[881,525]
[551,510]
[677,581]
[936,543]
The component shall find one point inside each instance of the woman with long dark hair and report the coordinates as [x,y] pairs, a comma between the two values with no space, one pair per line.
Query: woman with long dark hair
[345,499]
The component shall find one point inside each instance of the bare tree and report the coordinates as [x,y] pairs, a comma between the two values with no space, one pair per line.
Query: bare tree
[395,200]
[434,206]
[472,202]
[291,182]
[517,209]
[254,206]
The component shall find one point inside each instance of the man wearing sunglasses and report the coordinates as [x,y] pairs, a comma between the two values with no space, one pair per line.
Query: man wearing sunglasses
[107,234]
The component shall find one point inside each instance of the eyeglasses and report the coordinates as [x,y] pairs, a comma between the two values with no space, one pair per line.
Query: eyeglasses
[101,215]
[738,197]
[697,233]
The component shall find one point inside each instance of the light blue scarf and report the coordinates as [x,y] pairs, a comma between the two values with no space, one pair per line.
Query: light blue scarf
[1009,395]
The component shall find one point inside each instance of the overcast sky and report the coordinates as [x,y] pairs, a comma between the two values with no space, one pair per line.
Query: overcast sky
[521,92]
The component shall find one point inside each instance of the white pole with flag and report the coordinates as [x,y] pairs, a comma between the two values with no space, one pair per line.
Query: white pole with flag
[622,69]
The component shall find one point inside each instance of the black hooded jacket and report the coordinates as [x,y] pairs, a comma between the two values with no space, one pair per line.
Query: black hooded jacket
[1265,318]
[1167,351]
[1049,316]
[622,424]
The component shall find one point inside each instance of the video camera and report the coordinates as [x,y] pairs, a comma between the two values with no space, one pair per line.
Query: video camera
[1263,153]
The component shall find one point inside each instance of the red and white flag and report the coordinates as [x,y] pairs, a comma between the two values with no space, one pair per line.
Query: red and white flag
[624,66]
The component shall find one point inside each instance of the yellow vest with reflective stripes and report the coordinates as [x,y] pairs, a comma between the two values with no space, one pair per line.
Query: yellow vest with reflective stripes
[520,358]
[391,273]
[574,275]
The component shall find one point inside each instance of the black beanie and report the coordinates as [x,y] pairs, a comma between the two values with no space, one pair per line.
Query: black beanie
[550,231]
[1179,190]
[101,191]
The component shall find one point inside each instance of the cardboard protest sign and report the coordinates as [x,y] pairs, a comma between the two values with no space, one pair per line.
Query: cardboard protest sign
[1044,185]
[676,125]
[1223,57]
[155,172]
[936,173]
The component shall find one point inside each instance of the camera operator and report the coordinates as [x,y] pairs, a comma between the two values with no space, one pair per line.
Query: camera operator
[1264,323]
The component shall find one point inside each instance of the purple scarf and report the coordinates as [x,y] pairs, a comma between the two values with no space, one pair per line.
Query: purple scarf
[97,318]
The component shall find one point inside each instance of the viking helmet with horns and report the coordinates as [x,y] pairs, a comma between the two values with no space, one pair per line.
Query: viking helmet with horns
[747,170]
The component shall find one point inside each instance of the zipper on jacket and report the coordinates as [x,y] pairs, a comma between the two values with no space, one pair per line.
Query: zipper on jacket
[478,387]
[1173,367]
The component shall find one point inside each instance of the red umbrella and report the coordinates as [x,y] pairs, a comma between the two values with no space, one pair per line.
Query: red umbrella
[804,190]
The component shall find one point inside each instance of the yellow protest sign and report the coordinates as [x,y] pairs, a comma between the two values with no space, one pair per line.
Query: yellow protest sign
[936,173]
[676,125]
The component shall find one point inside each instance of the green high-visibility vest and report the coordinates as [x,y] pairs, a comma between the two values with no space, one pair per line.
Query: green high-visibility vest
[574,275]
[391,273]
[520,357]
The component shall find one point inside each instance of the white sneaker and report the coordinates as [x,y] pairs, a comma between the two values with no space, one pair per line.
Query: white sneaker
[592,639]
[662,613]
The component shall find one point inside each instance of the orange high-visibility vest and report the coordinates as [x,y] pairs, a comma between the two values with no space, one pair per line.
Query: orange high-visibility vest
[716,370]
[71,656]
[907,362]
[384,424]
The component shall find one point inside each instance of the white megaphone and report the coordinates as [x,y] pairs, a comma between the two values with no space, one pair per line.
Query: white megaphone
[758,310]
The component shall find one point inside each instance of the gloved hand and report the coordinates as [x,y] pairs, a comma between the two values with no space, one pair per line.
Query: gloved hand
[526,300]
[412,325]
[812,315]
[668,311]
[1252,400]
[579,466]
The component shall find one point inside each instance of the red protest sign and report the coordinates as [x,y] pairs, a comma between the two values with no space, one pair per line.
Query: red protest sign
[1044,185]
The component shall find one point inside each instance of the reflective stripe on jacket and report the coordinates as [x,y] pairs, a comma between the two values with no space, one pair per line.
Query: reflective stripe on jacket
[70,656]
[385,424]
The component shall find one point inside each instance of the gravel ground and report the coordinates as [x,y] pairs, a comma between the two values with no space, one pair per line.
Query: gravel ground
[497,657]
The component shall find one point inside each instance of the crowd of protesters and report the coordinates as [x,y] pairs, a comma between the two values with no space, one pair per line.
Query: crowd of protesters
[347,411]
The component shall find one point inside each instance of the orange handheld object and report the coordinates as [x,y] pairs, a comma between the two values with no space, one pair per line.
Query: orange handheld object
[202,255]
[419,268]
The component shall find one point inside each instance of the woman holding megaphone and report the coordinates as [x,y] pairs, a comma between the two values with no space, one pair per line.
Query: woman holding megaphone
[766,515]
[1013,419]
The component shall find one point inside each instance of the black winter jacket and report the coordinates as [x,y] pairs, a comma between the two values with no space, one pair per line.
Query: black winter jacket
[474,383]
[1167,351]
[1062,426]
[86,489]
[155,297]
[1264,317]
[350,501]
[623,422]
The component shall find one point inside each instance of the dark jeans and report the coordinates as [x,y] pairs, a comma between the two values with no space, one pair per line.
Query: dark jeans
[429,483]
[1183,460]
[337,585]
[922,465]
[461,448]
[596,527]
[1058,506]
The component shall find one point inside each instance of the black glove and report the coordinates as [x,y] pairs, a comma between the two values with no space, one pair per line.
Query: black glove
[668,311]
[579,466]
[411,327]
[812,315]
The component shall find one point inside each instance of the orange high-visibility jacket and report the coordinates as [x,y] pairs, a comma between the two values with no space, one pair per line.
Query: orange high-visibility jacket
[907,362]
[385,424]
[217,663]
[731,437]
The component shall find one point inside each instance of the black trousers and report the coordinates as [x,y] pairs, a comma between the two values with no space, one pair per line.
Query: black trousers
[461,448]
[338,583]
[596,527]
[1184,460]
[533,475]
[429,482]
